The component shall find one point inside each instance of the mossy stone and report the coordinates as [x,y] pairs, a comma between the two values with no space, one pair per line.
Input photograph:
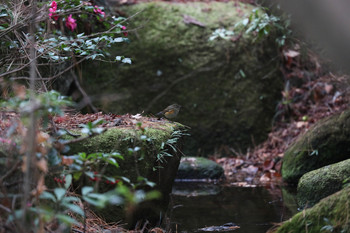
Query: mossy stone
[145,162]
[228,90]
[197,168]
[331,214]
[325,143]
[320,183]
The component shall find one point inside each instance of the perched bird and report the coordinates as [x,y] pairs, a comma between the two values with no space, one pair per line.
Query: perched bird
[170,111]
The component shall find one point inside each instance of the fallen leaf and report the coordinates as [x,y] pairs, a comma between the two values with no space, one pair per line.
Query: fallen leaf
[67,161]
[328,88]
[301,124]
[265,178]
[40,187]
[268,164]
[137,116]
[20,91]
[278,166]
[42,137]
[291,53]
[42,165]
[250,170]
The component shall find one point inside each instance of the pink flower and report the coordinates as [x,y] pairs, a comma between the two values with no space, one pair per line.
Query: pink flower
[52,10]
[5,141]
[71,23]
[125,33]
[97,10]
[54,5]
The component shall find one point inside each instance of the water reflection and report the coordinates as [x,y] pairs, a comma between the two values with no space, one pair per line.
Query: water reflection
[200,205]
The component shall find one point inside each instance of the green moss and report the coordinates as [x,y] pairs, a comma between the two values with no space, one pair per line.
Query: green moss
[120,139]
[289,196]
[325,143]
[331,213]
[174,62]
[320,183]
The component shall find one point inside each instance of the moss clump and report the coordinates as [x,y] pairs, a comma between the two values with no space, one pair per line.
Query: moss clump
[173,62]
[326,143]
[320,183]
[331,214]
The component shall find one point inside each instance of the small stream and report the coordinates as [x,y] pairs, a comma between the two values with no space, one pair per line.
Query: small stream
[198,205]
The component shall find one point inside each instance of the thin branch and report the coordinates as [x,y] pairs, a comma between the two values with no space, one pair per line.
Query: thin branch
[13,169]
[53,77]
[5,208]
[22,67]
[28,56]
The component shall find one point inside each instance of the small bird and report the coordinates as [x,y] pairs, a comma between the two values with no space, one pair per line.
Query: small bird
[170,111]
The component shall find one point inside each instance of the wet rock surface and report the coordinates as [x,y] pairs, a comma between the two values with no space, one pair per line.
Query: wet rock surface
[198,168]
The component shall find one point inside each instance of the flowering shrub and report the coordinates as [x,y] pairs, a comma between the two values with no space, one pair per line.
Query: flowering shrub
[71,31]
[49,37]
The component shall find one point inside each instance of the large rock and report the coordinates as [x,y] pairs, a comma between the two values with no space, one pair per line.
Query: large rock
[326,143]
[156,158]
[320,183]
[228,89]
[331,214]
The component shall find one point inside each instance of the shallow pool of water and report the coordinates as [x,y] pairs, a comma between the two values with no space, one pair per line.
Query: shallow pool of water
[254,210]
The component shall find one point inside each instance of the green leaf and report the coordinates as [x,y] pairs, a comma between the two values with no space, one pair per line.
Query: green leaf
[126,60]
[93,202]
[59,192]
[90,174]
[68,181]
[86,190]
[53,157]
[66,219]
[71,199]
[245,21]
[118,39]
[314,152]
[77,175]
[241,72]
[47,195]
[75,209]
[153,195]
[112,161]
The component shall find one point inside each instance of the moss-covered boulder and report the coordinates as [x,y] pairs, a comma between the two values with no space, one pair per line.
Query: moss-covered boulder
[326,143]
[151,149]
[228,89]
[198,168]
[331,214]
[320,183]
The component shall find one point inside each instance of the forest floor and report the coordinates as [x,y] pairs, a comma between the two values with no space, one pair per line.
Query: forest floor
[311,93]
